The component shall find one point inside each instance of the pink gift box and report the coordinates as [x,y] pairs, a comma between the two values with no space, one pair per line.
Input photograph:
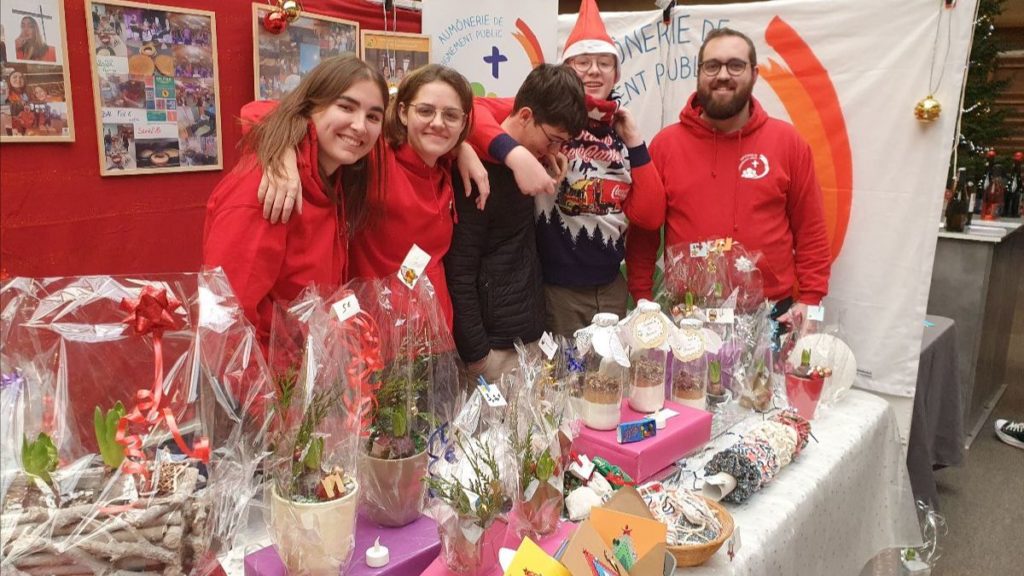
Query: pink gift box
[642,460]
[411,549]
[550,544]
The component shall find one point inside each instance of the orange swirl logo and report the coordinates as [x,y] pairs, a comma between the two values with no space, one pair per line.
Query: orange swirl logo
[810,98]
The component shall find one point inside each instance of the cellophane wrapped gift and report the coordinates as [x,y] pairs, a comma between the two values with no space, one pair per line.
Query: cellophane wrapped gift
[472,480]
[540,416]
[414,387]
[321,355]
[133,423]
[820,367]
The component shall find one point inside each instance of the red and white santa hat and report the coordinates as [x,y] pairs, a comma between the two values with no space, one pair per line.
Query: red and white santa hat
[589,36]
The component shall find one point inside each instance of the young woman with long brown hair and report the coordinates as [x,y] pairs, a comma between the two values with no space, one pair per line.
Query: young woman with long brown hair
[331,122]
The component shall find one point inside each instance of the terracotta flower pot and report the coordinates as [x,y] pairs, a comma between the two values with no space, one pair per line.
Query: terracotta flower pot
[393,490]
[314,538]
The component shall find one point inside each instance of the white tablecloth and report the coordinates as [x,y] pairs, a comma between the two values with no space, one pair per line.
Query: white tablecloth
[842,501]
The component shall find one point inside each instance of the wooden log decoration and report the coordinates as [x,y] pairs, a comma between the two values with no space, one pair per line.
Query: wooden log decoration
[158,535]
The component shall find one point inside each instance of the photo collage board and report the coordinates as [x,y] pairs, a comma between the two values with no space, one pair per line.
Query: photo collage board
[395,54]
[281,60]
[157,92]
[35,94]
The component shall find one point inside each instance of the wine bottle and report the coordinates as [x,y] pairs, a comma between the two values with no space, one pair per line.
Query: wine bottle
[990,160]
[1014,190]
[972,199]
[992,201]
[956,210]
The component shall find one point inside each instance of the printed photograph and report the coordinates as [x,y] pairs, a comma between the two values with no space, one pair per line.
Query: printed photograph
[157,153]
[283,59]
[30,31]
[122,91]
[193,62]
[395,54]
[32,100]
[108,30]
[190,30]
[119,146]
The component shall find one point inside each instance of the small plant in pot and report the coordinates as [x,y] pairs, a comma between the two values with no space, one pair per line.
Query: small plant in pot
[393,459]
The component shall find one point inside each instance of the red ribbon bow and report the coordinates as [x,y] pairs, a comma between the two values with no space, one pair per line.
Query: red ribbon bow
[152,313]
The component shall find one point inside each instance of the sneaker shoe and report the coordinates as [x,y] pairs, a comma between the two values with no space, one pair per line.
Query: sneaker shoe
[1010,432]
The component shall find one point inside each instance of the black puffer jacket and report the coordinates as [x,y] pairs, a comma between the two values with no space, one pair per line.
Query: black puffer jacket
[493,270]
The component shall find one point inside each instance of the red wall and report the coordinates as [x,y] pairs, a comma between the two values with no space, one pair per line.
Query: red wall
[58,217]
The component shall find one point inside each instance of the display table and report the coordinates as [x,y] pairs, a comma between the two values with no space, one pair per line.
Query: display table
[936,430]
[974,282]
[842,501]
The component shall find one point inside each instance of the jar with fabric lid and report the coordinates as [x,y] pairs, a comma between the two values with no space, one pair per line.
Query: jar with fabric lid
[689,365]
[605,371]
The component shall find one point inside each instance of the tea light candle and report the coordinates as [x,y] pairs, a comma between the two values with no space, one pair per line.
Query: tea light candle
[377,556]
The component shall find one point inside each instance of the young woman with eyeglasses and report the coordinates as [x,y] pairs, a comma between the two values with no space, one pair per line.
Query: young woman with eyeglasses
[426,125]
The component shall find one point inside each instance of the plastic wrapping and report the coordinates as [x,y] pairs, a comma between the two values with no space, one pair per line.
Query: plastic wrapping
[605,370]
[539,417]
[471,484]
[415,388]
[320,361]
[831,368]
[647,333]
[133,423]
[752,371]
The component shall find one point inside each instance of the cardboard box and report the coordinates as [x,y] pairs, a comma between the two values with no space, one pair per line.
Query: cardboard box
[682,435]
[411,548]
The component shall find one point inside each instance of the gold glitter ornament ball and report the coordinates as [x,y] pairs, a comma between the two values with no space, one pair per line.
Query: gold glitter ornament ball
[927,109]
[291,9]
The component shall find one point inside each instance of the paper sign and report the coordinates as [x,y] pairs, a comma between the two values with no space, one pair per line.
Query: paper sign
[412,267]
[816,313]
[153,131]
[347,307]
[688,345]
[111,65]
[124,116]
[490,393]
[699,250]
[547,345]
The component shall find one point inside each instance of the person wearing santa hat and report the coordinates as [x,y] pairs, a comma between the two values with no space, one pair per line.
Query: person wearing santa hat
[610,184]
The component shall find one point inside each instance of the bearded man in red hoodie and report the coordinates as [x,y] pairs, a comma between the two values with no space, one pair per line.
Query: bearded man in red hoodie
[730,170]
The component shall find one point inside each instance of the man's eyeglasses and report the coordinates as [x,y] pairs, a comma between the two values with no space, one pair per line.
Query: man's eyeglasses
[450,116]
[735,67]
[583,63]
[553,141]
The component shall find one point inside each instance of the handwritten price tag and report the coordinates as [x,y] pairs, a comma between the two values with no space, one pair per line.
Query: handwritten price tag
[547,345]
[347,307]
[490,393]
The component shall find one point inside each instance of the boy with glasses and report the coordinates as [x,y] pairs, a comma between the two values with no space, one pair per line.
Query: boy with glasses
[492,267]
[610,185]
[730,170]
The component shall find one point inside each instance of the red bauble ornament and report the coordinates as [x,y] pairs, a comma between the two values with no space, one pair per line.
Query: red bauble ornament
[275,21]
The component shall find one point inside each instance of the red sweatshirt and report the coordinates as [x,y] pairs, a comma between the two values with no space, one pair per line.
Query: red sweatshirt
[418,210]
[756,185]
[274,262]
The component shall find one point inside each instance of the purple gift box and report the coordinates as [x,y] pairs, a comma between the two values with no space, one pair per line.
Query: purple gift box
[412,548]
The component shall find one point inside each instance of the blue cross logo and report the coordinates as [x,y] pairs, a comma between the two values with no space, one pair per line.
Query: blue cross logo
[495,59]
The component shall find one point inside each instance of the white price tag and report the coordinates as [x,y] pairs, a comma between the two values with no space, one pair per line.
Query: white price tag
[547,345]
[816,313]
[490,393]
[699,250]
[720,315]
[347,307]
[734,543]
[413,266]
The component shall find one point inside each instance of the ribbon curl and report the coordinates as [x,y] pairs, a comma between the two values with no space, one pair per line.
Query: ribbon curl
[360,334]
[152,313]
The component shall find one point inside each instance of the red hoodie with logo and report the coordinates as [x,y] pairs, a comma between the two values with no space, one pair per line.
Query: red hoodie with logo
[756,185]
[274,262]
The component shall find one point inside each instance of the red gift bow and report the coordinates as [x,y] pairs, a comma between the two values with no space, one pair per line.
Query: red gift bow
[152,313]
[360,334]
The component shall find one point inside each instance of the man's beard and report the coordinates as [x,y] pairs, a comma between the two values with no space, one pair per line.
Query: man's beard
[723,110]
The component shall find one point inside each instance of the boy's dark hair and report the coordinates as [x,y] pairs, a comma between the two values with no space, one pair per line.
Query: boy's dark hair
[555,95]
[723,32]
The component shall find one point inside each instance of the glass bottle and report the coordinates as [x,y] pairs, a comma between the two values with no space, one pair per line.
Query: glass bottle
[992,202]
[647,332]
[956,210]
[688,384]
[605,370]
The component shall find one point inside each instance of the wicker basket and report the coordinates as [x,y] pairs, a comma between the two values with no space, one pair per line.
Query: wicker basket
[697,555]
